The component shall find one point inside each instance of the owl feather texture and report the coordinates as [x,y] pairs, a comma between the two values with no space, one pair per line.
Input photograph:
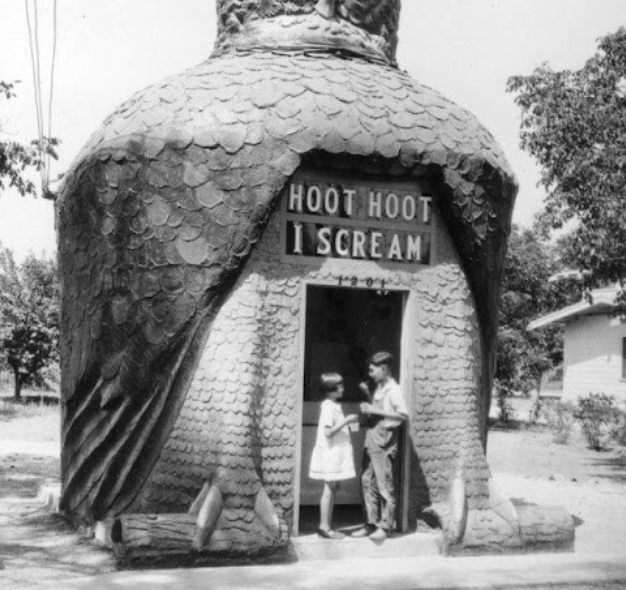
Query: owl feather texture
[379,17]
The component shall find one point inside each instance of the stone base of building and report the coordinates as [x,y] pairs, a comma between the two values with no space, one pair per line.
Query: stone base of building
[167,539]
[538,529]
[164,540]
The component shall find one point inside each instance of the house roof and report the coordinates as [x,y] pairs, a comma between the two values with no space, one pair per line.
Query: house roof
[601,301]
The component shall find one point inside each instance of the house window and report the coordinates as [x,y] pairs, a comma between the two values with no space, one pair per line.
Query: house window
[623,358]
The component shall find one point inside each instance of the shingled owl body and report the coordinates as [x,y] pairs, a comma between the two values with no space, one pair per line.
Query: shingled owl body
[180,326]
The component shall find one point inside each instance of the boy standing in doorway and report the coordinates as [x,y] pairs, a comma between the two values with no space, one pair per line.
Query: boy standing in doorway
[386,411]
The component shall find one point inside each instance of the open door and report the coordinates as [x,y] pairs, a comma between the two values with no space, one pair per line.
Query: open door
[344,327]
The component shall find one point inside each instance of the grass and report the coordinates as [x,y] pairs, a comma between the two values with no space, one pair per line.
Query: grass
[33,402]
[10,410]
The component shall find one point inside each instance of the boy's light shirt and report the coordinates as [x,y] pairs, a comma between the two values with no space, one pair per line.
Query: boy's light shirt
[389,398]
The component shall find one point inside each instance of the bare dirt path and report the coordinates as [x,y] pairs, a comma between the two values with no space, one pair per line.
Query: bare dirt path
[37,546]
[591,485]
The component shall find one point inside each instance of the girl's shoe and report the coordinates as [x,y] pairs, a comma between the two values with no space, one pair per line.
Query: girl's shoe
[330,534]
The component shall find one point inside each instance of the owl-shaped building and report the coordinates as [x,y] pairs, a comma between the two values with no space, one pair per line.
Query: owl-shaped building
[286,208]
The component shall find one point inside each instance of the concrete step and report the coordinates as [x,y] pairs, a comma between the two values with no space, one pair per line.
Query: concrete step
[311,547]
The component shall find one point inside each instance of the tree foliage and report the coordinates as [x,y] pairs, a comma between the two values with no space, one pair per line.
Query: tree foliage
[522,356]
[29,318]
[574,124]
[16,159]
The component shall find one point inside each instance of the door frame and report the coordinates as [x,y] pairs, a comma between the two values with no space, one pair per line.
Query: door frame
[405,367]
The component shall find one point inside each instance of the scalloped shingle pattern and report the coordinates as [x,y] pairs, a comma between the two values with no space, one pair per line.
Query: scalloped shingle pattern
[238,425]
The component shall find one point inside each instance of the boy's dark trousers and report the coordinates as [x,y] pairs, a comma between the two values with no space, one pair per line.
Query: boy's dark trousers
[377,476]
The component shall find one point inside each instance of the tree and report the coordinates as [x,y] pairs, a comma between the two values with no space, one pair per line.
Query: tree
[523,356]
[17,159]
[29,318]
[574,124]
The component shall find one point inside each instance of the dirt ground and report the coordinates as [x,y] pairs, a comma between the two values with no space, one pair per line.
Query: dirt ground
[37,546]
[590,485]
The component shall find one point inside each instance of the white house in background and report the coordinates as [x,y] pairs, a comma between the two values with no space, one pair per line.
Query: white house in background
[594,359]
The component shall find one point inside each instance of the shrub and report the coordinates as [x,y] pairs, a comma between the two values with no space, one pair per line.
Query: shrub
[536,410]
[7,410]
[560,419]
[598,416]
[507,412]
[618,432]
[505,408]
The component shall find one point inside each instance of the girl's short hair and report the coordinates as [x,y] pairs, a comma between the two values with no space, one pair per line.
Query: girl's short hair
[330,381]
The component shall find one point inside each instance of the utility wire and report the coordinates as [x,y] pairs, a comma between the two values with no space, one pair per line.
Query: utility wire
[33,38]
[38,66]
[34,68]
[52,64]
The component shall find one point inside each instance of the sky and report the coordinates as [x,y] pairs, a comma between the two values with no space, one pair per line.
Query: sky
[108,49]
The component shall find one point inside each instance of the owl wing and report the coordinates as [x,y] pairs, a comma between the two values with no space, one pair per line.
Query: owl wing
[153,235]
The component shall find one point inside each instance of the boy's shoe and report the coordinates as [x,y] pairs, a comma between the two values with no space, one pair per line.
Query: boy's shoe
[378,535]
[329,534]
[365,531]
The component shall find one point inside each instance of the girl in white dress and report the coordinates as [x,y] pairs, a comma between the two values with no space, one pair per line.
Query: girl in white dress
[332,459]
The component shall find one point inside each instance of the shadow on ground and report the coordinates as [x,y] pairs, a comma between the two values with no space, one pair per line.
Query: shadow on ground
[23,474]
[36,545]
[610,465]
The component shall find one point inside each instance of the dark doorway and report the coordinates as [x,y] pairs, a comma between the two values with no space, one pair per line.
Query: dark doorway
[344,327]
